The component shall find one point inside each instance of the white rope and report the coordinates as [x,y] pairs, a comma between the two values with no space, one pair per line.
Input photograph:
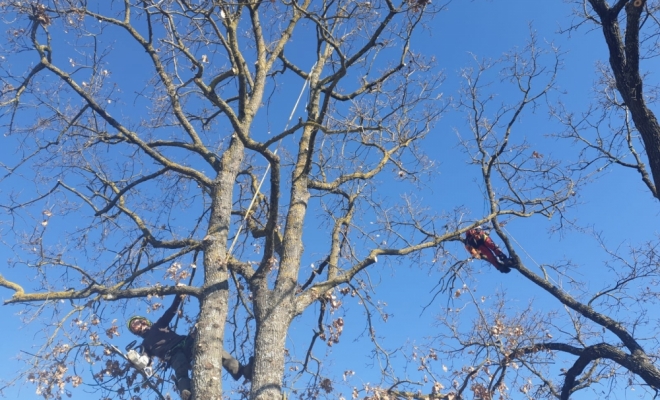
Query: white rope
[263,178]
[519,245]
[547,277]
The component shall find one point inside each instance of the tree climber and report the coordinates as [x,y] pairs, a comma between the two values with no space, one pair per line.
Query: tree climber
[480,245]
[176,350]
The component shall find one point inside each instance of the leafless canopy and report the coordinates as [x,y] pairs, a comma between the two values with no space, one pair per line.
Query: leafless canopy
[155,155]
[144,129]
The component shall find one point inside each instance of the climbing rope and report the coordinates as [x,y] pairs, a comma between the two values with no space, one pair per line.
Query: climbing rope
[521,247]
[548,277]
[263,178]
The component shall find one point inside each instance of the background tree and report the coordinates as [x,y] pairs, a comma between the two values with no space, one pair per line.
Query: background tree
[601,339]
[629,30]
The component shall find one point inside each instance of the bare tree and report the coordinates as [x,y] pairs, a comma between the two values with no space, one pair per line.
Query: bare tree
[627,129]
[137,179]
[594,342]
[153,158]
[592,339]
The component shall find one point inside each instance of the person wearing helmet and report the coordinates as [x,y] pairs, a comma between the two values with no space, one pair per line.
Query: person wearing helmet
[480,245]
[158,340]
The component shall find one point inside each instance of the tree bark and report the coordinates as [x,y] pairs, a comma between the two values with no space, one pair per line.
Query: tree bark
[273,313]
[207,368]
[624,61]
[275,309]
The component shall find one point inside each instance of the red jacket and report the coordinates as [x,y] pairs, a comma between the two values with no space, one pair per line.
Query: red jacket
[478,244]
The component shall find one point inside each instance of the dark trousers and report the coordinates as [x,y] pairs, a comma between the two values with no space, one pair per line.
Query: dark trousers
[180,359]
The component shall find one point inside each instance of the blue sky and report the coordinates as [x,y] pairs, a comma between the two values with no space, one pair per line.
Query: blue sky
[616,203]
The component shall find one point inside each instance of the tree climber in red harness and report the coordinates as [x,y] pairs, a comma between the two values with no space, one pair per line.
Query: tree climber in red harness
[479,245]
[162,342]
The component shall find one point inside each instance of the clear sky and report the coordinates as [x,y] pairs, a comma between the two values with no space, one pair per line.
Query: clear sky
[617,202]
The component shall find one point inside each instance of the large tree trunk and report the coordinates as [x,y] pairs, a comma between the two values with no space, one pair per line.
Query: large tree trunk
[274,309]
[273,315]
[207,368]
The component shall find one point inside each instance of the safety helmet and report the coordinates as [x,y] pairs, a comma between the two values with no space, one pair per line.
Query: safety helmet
[135,317]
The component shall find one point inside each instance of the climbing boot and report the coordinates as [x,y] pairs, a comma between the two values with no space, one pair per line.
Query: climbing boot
[246,370]
[183,384]
[503,269]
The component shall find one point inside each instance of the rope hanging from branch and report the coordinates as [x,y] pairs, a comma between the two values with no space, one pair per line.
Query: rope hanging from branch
[263,178]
